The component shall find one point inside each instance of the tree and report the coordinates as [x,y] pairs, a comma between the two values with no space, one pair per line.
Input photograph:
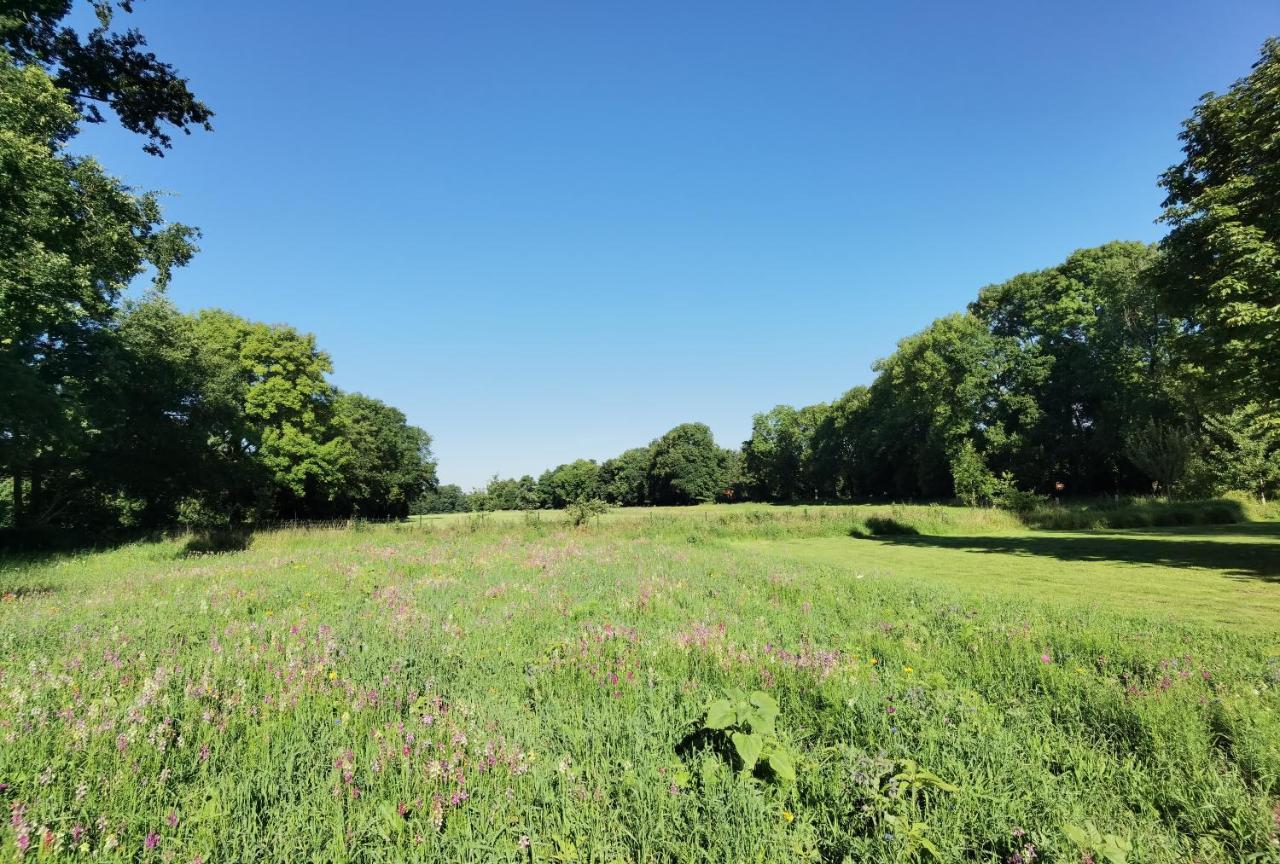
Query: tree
[448,498]
[779,456]
[103,68]
[688,467]
[567,484]
[974,483]
[1244,450]
[389,462]
[72,239]
[951,382]
[840,446]
[1091,352]
[1221,264]
[1162,451]
[266,389]
[624,480]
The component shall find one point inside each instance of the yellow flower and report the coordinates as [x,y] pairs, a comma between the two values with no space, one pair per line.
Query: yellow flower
[333,676]
[907,669]
[788,816]
[874,661]
[84,848]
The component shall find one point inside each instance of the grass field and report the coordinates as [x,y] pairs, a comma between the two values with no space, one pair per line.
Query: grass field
[505,688]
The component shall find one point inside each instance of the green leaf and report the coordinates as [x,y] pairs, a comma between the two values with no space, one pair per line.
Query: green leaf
[1077,835]
[782,766]
[720,715]
[748,747]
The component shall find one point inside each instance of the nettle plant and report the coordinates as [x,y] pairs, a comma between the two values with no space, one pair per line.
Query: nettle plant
[749,723]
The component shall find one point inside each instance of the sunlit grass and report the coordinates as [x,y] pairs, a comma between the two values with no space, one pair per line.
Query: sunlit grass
[510,690]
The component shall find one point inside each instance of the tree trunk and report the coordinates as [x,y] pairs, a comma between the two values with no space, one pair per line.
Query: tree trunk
[17,499]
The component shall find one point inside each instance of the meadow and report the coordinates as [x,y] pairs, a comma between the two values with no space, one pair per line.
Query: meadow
[697,684]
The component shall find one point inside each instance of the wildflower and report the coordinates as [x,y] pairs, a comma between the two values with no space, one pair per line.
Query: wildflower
[788,816]
[523,843]
[333,676]
[172,819]
[84,848]
[891,710]
[151,841]
[874,661]
[1045,658]
[908,669]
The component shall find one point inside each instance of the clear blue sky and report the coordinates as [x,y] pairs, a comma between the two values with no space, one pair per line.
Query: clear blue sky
[548,230]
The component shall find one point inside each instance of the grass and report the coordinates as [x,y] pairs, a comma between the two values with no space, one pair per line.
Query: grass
[503,689]
[1225,576]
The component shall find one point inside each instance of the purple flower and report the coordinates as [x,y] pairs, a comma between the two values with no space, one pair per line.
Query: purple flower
[1046,658]
[152,840]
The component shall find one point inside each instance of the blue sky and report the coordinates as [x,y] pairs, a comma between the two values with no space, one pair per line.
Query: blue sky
[548,230]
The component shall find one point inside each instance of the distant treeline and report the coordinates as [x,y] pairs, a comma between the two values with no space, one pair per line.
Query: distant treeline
[1127,368]
[1064,381]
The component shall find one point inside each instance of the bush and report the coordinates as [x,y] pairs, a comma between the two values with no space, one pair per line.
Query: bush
[581,512]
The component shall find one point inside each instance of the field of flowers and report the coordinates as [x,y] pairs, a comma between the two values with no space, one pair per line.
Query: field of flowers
[522,691]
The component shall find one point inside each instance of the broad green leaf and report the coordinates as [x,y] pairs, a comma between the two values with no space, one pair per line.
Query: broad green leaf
[720,715]
[748,747]
[782,766]
[1076,835]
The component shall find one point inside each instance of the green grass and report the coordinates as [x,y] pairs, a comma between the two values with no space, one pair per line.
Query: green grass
[445,690]
[1214,575]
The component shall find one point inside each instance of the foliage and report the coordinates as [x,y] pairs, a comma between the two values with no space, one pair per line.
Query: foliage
[973,481]
[779,458]
[104,66]
[568,484]
[1220,269]
[1113,848]
[579,513]
[1161,450]
[748,723]
[72,238]
[688,467]
[1244,450]
[448,498]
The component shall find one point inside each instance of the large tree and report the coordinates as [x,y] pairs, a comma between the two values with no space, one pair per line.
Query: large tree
[688,467]
[624,480]
[1221,266]
[72,238]
[778,459]
[1092,353]
[389,462]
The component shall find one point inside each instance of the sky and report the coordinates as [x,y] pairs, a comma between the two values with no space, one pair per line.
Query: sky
[551,230]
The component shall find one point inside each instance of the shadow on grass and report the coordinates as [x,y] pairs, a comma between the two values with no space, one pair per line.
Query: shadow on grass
[1167,548]
[881,526]
[212,542]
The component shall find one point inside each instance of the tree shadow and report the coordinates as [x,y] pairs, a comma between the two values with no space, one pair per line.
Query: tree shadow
[1181,548]
[213,542]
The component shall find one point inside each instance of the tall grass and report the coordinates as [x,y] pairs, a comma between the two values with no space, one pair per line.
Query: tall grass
[482,690]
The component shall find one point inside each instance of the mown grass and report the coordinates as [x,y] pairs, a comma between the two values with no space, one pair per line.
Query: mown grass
[502,690]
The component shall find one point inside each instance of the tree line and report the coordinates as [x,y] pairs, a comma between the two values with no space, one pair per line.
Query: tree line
[128,413]
[1128,368]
